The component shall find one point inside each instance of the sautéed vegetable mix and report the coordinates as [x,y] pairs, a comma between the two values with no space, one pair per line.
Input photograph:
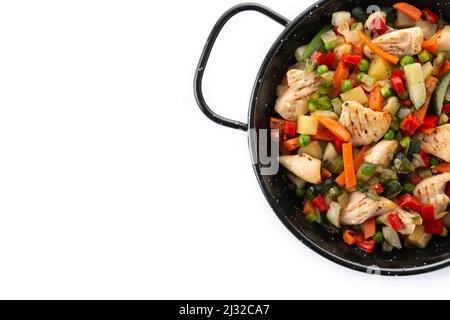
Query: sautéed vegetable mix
[363,125]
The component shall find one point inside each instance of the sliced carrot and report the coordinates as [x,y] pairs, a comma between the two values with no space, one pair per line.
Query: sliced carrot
[358,161]
[323,134]
[375,98]
[445,68]
[348,237]
[369,227]
[411,11]
[358,48]
[349,166]
[430,84]
[325,174]
[340,75]
[378,51]
[335,128]
[309,207]
[430,45]
[441,168]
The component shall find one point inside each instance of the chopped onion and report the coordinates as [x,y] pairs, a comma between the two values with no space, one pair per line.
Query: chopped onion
[428,29]
[341,17]
[391,237]
[333,214]
[329,37]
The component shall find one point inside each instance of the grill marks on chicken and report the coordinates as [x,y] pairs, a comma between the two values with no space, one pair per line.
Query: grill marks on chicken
[365,125]
[431,191]
[438,143]
[399,43]
[300,84]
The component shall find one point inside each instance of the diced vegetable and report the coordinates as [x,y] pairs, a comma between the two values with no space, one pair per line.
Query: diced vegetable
[355,94]
[391,188]
[342,50]
[376,99]
[392,105]
[409,10]
[337,105]
[307,125]
[440,92]
[340,18]
[428,29]
[434,227]
[430,83]
[359,14]
[304,140]
[330,152]
[299,53]
[419,238]
[427,68]
[335,165]
[349,167]
[313,149]
[369,228]
[404,21]
[308,208]
[316,42]
[416,84]
[358,161]
[444,69]
[333,214]
[409,202]
[392,237]
[429,15]
[320,203]
[340,75]
[410,124]
[335,128]
[303,166]
[395,222]
[324,135]
[379,69]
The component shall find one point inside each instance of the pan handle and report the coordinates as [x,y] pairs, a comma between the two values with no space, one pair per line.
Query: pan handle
[198,80]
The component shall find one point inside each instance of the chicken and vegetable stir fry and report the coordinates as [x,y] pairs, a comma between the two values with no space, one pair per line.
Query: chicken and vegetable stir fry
[364,127]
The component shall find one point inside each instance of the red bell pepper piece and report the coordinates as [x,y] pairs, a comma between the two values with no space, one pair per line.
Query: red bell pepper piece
[434,227]
[338,144]
[395,222]
[363,244]
[426,158]
[320,203]
[409,202]
[398,85]
[430,121]
[329,59]
[446,108]
[290,129]
[410,124]
[398,73]
[429,15]
[378,188]
[427,213]
[317,57]
[352,59]
[406,103]
[379,25]
[415,179]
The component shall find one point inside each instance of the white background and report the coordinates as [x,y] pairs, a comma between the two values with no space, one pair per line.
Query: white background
[114,185]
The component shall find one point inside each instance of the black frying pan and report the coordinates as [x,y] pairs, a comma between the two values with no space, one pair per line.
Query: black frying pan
[284,201]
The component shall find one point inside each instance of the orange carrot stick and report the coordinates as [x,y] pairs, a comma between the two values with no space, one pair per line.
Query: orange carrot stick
[411,11]
[340,75]
[379,52]
[323,134]
[369,227]
[349,166]
[335,128]
[441,168]
[358,161]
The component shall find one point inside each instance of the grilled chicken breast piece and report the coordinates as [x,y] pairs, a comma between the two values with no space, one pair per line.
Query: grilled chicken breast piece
[437,143]
[382,153]
[360,208]
[365,125]
[300,84]
[399,43]
[431,191]
[303,166]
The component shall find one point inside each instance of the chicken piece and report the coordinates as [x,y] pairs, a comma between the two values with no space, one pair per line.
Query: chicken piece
[437,143]
[382,153]
[303,166]
[431,191]
[406,217]
[300,84]
[360,208]
[398,43]
[365,125]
